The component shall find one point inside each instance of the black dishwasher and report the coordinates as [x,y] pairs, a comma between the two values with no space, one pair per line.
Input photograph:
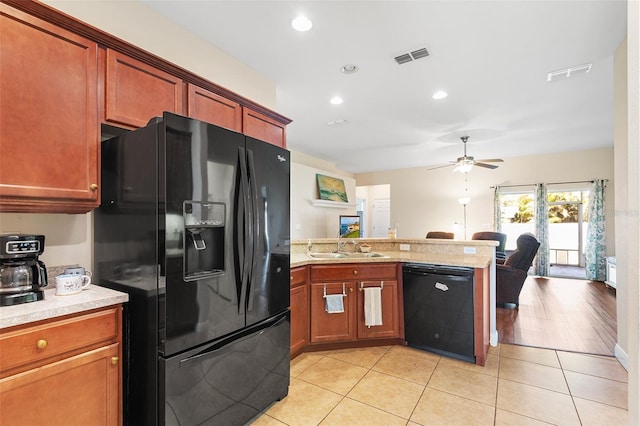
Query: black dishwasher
[438,309]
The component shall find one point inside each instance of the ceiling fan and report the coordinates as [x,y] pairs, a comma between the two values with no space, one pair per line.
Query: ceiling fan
[465,163]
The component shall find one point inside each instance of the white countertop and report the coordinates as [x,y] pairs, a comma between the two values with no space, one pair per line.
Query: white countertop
[93,297]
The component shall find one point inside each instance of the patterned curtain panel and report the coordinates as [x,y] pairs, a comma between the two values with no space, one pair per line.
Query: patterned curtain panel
[541,265]
[497,216]
[595,251]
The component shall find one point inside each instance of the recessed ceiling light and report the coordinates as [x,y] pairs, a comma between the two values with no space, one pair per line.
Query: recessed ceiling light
[301,23]
[349,69]
[340,122]
[336,100]
[440,94]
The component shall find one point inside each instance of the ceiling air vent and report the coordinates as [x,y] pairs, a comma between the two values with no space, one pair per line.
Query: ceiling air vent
[412,56]
[569,72]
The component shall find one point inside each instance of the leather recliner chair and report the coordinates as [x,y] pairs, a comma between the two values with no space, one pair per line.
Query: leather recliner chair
[440,234]
[510,276]
[500,237]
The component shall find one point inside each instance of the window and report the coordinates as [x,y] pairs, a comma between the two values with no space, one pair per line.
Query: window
[568,210]
[516,215]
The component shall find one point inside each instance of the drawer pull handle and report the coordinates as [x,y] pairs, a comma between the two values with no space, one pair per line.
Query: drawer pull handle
[41,344]
[115,360]
[355,272]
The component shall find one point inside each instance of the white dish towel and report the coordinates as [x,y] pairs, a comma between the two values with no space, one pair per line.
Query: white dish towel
[333,303]
[372,306]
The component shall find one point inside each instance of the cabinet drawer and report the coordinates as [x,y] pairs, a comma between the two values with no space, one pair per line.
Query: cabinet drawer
[354,271]
[298,276]
[46,340]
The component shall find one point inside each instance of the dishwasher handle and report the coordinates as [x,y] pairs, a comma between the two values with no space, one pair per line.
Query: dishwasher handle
[428,269]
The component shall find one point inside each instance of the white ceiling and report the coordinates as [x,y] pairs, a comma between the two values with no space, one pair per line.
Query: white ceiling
[492,57]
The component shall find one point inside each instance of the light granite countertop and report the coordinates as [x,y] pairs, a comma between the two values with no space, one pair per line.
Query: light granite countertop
[473,261]
[93,297]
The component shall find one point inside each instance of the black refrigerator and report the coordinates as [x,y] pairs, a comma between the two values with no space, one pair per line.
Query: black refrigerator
[194,226]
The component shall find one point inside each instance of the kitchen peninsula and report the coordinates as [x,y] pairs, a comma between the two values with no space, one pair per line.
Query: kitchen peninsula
[316,270]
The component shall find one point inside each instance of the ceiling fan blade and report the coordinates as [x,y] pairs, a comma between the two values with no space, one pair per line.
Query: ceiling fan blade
[442,166]
[491,160]
[486,166]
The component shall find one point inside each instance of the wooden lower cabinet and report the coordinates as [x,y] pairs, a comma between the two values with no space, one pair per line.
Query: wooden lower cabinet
[81,390]
[299,305]
[333,327]
[390,313]
[350,325]
[63,371]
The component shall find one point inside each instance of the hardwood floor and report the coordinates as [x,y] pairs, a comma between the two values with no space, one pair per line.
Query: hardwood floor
[563,314]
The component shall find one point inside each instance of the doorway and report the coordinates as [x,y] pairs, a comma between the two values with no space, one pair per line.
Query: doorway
[374,206]
[567,226]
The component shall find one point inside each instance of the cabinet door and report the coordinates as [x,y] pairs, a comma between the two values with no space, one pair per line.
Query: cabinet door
[299,305]
[136,92]
[299,318]
[213,108]
[49,136]
[332,327]
[389,305]
[81,390]
[261,127]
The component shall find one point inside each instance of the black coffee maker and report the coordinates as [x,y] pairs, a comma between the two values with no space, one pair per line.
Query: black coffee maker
[22,275]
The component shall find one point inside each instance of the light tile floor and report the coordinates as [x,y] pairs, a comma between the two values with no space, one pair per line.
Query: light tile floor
[395,385]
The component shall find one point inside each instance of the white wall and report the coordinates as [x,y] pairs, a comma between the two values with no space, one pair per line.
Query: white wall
[426,200]
[621,170]
[307,220]
[627,127]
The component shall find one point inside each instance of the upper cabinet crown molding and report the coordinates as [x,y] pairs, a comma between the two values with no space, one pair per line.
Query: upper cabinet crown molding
[106,40]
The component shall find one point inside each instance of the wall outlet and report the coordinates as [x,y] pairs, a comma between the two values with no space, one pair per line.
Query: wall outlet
[469,250]
[405,247]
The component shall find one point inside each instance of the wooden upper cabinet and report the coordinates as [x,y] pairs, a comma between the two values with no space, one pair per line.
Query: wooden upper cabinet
[210,107]
[136,92]
[49,135]
[261,127]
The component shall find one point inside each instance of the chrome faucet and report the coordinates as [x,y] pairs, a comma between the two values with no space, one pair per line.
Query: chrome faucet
[340,242]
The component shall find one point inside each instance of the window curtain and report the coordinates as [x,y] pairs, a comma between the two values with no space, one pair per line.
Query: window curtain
[595,250]
[497,213]
[541,266]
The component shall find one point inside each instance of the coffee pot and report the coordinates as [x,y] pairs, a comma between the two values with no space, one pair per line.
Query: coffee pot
[22,274]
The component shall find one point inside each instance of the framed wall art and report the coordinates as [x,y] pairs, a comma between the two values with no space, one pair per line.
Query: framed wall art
[332,189]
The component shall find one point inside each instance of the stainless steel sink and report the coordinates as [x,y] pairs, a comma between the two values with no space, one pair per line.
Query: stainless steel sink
[343,255]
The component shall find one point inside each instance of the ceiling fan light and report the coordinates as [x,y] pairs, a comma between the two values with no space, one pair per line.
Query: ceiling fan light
[464,167]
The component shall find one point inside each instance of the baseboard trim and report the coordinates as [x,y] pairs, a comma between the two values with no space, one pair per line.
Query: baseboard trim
[493,339]
[622,356]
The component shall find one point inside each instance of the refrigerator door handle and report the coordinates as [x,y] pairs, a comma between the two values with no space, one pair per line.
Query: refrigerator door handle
[245,235]
[213,349]
[258,232]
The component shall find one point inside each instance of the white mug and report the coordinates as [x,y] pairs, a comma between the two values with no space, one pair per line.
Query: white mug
[67,284]
[78,270]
